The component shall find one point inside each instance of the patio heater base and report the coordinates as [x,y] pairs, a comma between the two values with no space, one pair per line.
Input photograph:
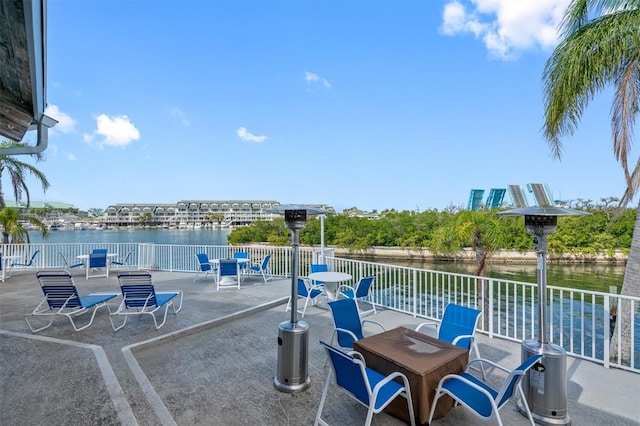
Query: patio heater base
[545,384]
[293,354]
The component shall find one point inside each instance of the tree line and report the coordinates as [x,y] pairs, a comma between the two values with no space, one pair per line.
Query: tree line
[605,231]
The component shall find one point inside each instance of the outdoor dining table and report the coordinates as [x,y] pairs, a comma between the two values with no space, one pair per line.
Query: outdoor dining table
[331,281]
[85,257]
[422,358]
[216,262]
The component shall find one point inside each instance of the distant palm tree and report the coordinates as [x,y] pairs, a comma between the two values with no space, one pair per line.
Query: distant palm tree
[18,171]
[600,47]
[11,220]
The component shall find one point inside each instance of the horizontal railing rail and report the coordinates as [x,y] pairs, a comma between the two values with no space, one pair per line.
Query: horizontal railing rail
[581,321]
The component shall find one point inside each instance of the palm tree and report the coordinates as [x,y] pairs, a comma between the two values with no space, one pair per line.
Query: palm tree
[145,218]
[18,171]
[11,220]
[478,229]
[600,47]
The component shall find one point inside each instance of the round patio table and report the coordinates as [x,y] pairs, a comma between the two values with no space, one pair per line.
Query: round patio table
[331,280]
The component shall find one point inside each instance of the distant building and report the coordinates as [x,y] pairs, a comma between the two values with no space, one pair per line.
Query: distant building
[193,213]
[39,205]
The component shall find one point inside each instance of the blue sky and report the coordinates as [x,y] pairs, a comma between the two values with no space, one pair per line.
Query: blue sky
[372,104]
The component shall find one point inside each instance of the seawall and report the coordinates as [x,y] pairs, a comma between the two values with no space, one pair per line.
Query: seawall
[468,255]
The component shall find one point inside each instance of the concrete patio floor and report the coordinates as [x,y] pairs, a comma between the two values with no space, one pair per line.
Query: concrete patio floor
[214,362]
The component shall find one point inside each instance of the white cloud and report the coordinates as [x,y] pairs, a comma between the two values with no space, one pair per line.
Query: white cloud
[71,157]
[116,130]
[180,115]
[313,78]
[507,27]
[246,136]
[66,124]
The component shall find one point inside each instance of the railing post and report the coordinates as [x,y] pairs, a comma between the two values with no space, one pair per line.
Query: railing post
[491,304]
[415,293]
[606,331]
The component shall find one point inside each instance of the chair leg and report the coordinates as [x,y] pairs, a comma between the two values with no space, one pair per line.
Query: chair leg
[523,401]
[319,420]
[439,393]
[35,330]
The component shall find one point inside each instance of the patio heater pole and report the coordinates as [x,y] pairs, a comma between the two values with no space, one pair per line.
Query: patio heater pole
[545,384]
[293,336]
[295,261]
[322,239]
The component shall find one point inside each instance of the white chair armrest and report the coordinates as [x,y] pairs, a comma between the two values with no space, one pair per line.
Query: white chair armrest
[344,330]
[346,287]
[373,322]
[459,378]
[464,336]
[425,324]
[486,361]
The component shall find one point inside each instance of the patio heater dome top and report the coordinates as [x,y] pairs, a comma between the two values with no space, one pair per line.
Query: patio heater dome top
[543,211]
[284,207]
[295,215]
[542,220]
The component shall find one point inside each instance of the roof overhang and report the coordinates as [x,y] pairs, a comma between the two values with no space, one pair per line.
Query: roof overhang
[23,47]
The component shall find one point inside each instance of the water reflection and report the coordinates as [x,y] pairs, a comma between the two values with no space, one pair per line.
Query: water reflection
[580,276]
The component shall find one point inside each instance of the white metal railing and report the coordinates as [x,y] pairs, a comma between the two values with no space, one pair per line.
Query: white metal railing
[579,320]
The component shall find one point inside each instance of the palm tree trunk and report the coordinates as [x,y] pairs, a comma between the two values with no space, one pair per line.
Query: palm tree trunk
[630,287]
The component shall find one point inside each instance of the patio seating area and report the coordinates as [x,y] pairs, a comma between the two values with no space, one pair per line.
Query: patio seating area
[214,364]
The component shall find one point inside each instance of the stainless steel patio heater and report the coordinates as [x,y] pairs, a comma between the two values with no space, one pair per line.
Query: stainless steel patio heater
[293,336]
[545,385]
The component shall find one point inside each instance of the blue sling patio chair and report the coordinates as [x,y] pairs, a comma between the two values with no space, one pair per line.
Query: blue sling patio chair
[458,327]
[242,265]
[369,387]
[61,298]
[318,267]
[139,297]
[308,293]
[27,264]
[97,265]
[348,326]
[483,400]
[204,266]
[228,268]
[263,268]
[69,266]
[123,263]
[362,291]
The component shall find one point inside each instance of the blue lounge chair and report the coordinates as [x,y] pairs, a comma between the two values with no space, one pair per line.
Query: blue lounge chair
[61,298]
[370,388]
[309,294]
[139,297]
[477,396]
[362,291]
